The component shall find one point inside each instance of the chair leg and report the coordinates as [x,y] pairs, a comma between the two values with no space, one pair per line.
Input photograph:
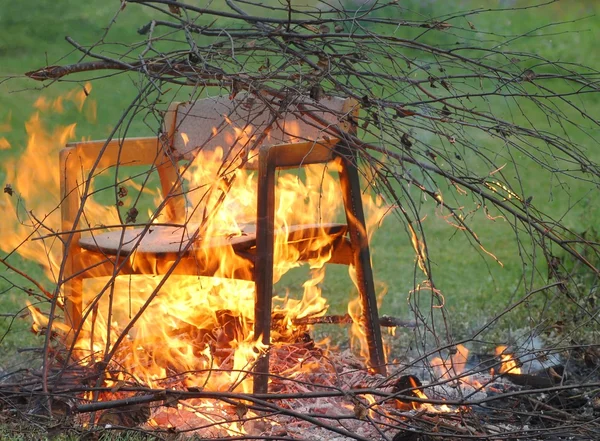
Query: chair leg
[362,261]
[263,267]
[73,295]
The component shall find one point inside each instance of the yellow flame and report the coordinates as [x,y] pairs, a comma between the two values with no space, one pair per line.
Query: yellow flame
[200,326]
[508,362]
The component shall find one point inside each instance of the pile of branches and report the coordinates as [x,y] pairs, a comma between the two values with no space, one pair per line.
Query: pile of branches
[339,400]
[430,116]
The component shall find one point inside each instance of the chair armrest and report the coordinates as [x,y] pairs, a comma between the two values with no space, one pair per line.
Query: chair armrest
[78,157]
[128,151]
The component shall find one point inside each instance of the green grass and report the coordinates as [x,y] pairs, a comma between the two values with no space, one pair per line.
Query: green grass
[474,286]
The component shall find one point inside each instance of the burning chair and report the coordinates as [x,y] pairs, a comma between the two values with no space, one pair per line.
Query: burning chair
[276,133]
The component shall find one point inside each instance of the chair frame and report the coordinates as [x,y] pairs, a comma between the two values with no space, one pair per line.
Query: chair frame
[83,156]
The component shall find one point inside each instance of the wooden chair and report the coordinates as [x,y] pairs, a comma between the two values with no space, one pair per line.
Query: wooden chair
[206,124]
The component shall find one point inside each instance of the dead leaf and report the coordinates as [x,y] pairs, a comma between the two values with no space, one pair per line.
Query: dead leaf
[109,418]
[441,25]
[171,401]
[401,112]
[130,416]
[323,62]
[241,410]
[175,9]
[528,75]
[235,89]
[118,386]
[311,28]
[405,435]
[265,65]
[360,411]
[316,92]
[8,189]
[132,214]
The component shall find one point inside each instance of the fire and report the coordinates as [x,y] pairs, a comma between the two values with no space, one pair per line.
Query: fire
[454,367]
[412,387]
[33,177]
[419,393]
[40,321]
[35,196]
[194,331]
[453,370]
[509,363]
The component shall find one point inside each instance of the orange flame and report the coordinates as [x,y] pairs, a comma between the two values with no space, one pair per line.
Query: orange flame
[33,176]
[454,367]
[199,326]
[509,363]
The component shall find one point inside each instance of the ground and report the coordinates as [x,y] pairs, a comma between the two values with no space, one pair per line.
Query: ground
[475,288]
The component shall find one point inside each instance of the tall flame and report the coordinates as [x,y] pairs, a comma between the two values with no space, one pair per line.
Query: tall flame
[198,330]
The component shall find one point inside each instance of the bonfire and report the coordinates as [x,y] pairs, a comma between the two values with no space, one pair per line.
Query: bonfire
[137,337]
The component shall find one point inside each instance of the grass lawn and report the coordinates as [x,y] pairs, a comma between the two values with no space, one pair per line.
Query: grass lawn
[475,287]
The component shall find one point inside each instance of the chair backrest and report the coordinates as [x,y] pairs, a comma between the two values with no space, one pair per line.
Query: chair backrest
[207,124]
[249,121]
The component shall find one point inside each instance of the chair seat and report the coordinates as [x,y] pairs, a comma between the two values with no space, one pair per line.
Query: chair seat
[174,239]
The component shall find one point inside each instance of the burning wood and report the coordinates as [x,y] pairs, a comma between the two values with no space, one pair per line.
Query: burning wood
[165,332]
[384,320]
[201,324]
[197,363]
